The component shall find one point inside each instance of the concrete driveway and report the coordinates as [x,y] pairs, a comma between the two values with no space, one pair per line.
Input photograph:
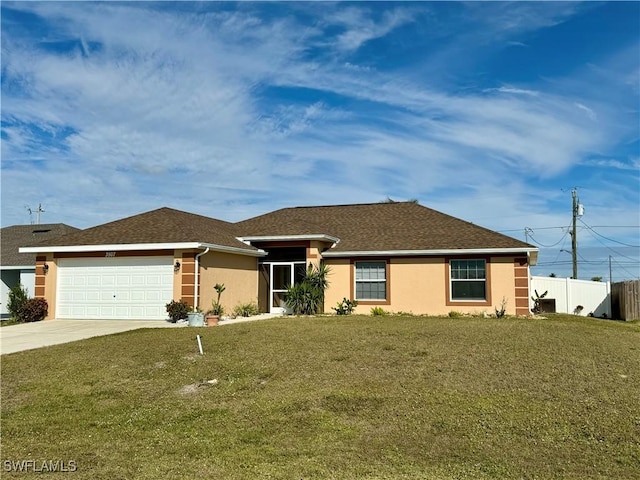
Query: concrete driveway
[28,336]
[17,338]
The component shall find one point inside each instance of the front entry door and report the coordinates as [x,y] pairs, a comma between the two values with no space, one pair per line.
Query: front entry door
[282,276]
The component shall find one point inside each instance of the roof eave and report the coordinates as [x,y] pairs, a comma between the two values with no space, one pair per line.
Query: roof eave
[532,253]
[239,251]
[140,247]
[281,238]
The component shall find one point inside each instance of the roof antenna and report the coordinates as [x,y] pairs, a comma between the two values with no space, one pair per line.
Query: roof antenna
[38,212]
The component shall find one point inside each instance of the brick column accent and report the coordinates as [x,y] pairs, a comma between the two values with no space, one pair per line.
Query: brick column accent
[521,274]
[188,269]
[40,277]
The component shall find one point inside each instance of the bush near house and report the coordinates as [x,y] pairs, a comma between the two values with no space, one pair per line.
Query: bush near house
[33,310]
[307,297]
[246,309]
[17,298]
[24,309]
[345,307]
[177,310]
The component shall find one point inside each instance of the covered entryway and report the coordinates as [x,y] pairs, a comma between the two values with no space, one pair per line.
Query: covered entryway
[283,267]
[128,288]
[281,276]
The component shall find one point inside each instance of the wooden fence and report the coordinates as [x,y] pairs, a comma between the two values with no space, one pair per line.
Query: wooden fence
[625,300]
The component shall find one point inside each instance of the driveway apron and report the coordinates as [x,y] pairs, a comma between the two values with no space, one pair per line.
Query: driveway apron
[28,336]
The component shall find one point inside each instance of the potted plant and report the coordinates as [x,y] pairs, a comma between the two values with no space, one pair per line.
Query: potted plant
[177,310]
[213,315]
[196,317]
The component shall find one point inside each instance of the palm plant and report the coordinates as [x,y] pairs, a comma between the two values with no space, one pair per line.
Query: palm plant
[216,307]
[307,297]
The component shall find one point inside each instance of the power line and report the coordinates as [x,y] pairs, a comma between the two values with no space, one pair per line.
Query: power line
[552,228]
[606,238]
[628,272]
[609,248]
[549,246]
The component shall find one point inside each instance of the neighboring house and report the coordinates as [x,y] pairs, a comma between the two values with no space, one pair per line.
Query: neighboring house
[399,256]
[19,268]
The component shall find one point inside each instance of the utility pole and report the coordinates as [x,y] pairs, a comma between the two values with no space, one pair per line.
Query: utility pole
[610,277]
[578,211]
[527,232]
[574,240]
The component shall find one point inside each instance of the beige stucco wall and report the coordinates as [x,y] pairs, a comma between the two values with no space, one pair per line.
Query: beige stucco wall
[51,286]
[419,285]
[339,282]
[238,273]
[503,284]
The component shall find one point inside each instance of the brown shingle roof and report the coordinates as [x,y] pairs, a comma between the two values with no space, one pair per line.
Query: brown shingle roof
[164,225]
[380,227]
[12,238]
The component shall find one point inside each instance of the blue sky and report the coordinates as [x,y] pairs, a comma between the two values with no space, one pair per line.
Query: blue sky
[491,112]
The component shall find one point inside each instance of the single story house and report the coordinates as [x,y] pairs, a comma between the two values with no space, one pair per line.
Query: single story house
[19,268]
[399,256]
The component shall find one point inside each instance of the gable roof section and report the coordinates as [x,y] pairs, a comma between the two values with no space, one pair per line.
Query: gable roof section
[158,229]
[16,236]
[382,228]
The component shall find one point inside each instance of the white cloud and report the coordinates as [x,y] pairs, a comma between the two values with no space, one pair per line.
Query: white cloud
[590,113]
[517,91]
[633,164]
[361,28]
[168,108]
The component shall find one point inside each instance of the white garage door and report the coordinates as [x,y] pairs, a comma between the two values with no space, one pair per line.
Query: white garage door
[132,288]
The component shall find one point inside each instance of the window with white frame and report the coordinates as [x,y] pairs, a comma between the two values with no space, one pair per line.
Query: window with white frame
[468,279]
[371,280]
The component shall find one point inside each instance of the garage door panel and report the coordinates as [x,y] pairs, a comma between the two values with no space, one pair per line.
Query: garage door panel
[92,296]
[122,296]
[152,296]
[101,296]
[142,296]
[78,297]
[114,288]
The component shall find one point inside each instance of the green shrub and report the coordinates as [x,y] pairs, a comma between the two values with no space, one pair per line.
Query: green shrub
[33,310]
[378,312]
[454,314]
[345,307]
[303,299]
[307,297]
[17,298]
[246,309]
[177,310]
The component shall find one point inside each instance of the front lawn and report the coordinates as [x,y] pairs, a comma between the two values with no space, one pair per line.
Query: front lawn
[334,398]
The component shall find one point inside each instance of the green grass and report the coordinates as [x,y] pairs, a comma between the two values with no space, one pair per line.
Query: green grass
[9,321]
[335,398]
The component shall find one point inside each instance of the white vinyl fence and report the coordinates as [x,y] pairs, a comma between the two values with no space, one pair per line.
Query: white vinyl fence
[569,294]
